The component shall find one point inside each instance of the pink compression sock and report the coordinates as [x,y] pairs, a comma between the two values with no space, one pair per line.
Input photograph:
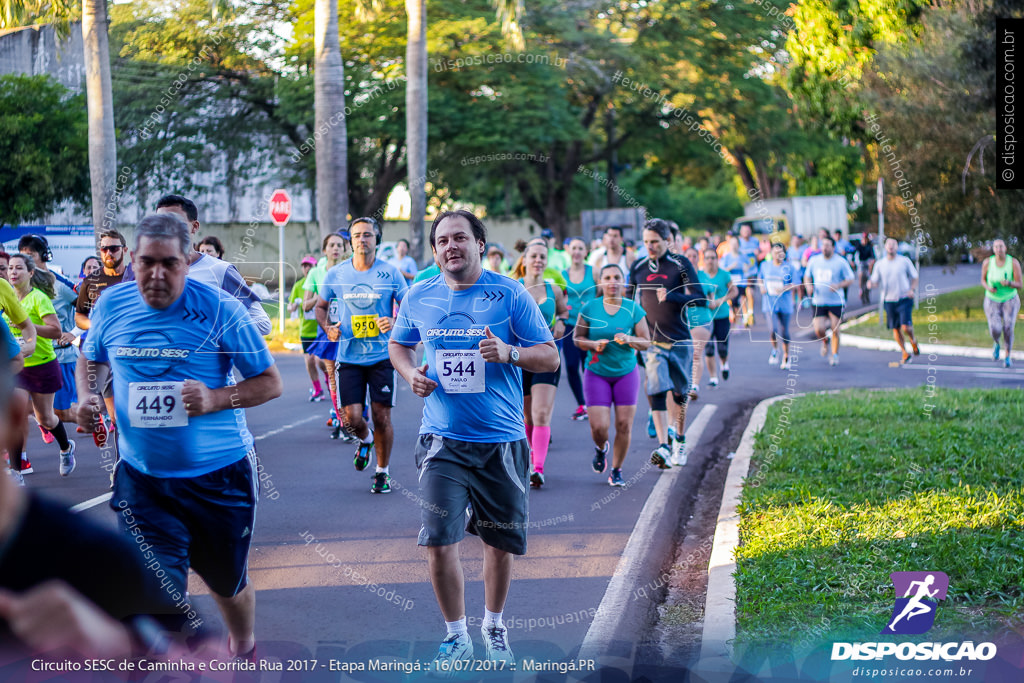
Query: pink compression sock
[541,436]
[316,386]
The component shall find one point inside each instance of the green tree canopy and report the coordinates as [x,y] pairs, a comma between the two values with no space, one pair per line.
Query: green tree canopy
[44,157]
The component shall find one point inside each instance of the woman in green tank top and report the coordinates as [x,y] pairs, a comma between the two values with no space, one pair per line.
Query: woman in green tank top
[539,387]
[1001,278]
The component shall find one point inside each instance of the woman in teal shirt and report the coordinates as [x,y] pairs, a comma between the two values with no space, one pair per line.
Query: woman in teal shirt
[610,330]
[699,320]
[582,289]
[539,387]
[720,289]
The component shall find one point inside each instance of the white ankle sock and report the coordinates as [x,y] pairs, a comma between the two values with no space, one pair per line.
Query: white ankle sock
[456,627]
[492,619]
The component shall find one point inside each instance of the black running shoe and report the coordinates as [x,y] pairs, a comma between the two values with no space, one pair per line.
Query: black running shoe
[599,457]
[381,483]
[362,458]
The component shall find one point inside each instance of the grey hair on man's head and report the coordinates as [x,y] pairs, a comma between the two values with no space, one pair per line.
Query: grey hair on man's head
[164,226]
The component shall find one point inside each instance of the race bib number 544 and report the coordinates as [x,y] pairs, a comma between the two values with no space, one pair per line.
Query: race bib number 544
[156,405]
[461,372]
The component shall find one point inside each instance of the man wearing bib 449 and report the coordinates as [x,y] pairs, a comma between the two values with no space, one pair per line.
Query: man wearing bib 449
[354,307]
[479,331]
[186,479]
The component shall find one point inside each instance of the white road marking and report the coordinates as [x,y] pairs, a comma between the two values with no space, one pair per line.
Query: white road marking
[92,502]
[98,500]
[602,629]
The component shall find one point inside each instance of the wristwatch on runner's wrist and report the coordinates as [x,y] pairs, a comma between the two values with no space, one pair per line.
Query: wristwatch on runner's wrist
[513,355]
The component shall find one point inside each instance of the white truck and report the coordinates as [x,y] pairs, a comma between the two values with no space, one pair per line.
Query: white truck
[796,216]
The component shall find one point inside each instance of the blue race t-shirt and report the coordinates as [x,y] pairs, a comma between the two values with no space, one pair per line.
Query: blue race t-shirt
[778,283]
[355,299]
[749,249]
[152,351]
[474,401]
[826,274]
[11,345]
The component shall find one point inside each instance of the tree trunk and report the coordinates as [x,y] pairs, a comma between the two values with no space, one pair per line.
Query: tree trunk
[416,121]
[329,104]
[100,103]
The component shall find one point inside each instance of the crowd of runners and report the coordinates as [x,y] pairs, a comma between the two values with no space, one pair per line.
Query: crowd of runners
[157,353]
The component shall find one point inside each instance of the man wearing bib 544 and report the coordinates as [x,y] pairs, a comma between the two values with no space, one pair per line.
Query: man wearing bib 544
[186,478]
[354,307]
[479,331]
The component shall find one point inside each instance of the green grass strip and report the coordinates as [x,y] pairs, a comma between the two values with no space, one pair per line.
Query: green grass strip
[846,488]
[956,318]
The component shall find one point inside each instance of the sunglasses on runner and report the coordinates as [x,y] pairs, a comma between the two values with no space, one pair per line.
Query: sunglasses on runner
[111,248]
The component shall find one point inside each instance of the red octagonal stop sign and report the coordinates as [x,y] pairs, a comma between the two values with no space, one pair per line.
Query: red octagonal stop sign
[280,207]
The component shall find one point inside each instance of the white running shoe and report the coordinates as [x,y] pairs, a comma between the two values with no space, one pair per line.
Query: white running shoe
[784,365]
[454,656]
[774,358]
[496,646]
[661,457]
[712,381]
[679,452]
[834,360]
[67,461]
[16,476]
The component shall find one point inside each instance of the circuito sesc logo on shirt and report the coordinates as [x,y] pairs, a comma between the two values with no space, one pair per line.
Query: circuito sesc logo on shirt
[151,353]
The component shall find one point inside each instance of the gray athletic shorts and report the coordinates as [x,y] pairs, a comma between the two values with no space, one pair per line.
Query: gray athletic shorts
[490,477]
[669,368]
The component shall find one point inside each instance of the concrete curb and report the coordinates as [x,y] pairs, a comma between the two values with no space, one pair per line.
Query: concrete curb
[720,600]
[621,616]
[937,349]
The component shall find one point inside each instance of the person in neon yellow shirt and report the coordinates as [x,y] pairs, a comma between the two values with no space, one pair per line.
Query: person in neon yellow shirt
[41,376]
[1001,278]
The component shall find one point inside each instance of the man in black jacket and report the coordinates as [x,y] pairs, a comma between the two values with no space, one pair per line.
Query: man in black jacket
[666,284]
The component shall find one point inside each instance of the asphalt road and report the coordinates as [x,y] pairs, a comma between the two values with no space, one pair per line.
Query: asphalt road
[338,572]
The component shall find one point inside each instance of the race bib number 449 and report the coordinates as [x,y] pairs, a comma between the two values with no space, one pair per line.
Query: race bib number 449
[461,372]
[156,405]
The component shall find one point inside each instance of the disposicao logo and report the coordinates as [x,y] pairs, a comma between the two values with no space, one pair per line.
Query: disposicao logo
[917,599]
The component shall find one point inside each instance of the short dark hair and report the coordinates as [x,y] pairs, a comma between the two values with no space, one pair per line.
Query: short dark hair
[827,238]
[403,240]
[187,205]
[616,228]
[660,226]
[162,226]
[475,224]
[114,235]
[213,242]
[36,243]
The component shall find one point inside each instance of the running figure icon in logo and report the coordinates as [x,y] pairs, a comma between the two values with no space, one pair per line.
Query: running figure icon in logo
[914,612]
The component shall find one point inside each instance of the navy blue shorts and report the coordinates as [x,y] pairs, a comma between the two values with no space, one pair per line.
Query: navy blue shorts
[322,347]
[68,394]
[205,522]
[826,311]
[353,381]
[899,313]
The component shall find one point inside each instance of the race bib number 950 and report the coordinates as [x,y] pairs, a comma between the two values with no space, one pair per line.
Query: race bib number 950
[365,326]
[156,405]
[461,372]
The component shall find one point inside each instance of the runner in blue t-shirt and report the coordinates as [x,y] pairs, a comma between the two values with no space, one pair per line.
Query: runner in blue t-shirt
[355,307]
[186,479]
[749,248]
[777,280]
[479,331]
[826,277]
